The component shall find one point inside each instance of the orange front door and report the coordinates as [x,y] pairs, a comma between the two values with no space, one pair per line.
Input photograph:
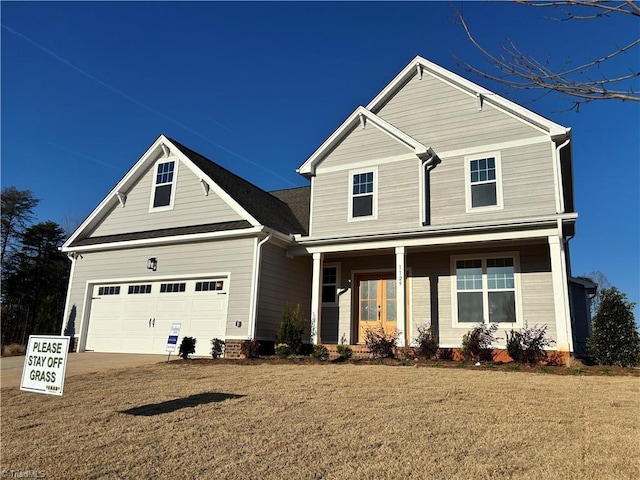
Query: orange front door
[376,303]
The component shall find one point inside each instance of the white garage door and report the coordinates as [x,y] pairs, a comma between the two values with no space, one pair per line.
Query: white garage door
[137,317]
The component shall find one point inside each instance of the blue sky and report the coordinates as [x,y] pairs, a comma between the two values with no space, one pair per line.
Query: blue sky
[86,87]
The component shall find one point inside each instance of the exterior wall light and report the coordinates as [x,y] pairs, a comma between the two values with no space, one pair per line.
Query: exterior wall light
[152,264]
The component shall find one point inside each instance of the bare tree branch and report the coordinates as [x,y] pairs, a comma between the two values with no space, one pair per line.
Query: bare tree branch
[606,8]
[583,83]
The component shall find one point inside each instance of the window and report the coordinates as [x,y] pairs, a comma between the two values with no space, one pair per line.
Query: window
[209,286]
[362,195]
[163,185]
[483,182]
[330,285]
[172,287]
[115,290]
[139,289]
[485,290]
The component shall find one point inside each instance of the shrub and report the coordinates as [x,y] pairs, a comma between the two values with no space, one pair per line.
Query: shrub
[13,350]
[217,348]
[187,347]
[380,343]
[476,343]
[283,350]
[291,328]
[250,348]
[320,352]
[615,339]
[527,345]
[427,342]
[344,351]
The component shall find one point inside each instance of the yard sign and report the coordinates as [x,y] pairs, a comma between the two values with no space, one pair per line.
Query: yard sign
[174,333]
[44,364]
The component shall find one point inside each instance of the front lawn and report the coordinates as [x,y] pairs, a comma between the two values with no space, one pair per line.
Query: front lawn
[336,421]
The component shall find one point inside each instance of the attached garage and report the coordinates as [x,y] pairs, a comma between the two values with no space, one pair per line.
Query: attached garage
[135,317]
[163,246]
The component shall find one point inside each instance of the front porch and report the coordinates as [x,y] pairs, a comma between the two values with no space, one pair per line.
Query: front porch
[450,288]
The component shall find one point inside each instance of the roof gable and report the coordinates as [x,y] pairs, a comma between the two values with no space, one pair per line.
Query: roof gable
[363,117]
[419,67]
[253,205]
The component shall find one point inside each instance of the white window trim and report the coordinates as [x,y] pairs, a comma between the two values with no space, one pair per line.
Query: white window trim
[374,214]
[337,267]
[154,173]
[519,323]
[467,181]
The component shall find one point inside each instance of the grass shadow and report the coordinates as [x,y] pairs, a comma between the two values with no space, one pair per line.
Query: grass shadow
[179,403]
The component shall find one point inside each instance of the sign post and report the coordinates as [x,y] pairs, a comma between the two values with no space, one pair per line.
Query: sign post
[44,364]
[174,333]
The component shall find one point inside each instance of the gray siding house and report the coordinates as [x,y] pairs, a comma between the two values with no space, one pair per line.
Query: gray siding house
[439,203]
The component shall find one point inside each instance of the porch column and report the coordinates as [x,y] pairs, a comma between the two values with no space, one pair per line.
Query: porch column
[316,298]
[560,294]
[401,269]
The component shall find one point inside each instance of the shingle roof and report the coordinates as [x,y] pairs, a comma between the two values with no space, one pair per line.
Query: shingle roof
[299,200]
[165,232]
[270,210]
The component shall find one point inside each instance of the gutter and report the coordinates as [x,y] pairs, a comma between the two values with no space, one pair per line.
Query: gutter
[434,231]
[194,237]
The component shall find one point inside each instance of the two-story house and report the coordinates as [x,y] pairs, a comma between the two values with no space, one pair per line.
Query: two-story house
[439,203]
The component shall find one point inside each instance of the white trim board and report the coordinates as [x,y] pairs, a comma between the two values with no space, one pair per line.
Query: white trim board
[175,239]
[426,241]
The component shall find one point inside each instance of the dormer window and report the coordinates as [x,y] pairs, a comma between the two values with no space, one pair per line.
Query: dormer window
[163,185]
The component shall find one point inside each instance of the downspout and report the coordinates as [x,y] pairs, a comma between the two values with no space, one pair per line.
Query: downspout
[429,164]
[559,174]
[254,287]
[73,256]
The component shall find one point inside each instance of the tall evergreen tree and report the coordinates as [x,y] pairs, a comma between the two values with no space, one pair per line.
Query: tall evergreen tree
[17,211]
[615,339]
[34,284]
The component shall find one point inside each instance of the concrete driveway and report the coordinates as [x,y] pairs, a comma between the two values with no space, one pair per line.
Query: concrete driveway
[78,363]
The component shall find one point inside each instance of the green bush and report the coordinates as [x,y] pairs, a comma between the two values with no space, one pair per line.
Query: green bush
[320,352]
[344,351]
[291,329]
[527,345]
[380,343]
[187,347]
[250,348]
[477,343]
[283,350]
[217,348]
[427,342]
[615,339]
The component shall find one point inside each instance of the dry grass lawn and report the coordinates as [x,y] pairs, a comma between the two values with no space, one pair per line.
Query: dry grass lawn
[190,420]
